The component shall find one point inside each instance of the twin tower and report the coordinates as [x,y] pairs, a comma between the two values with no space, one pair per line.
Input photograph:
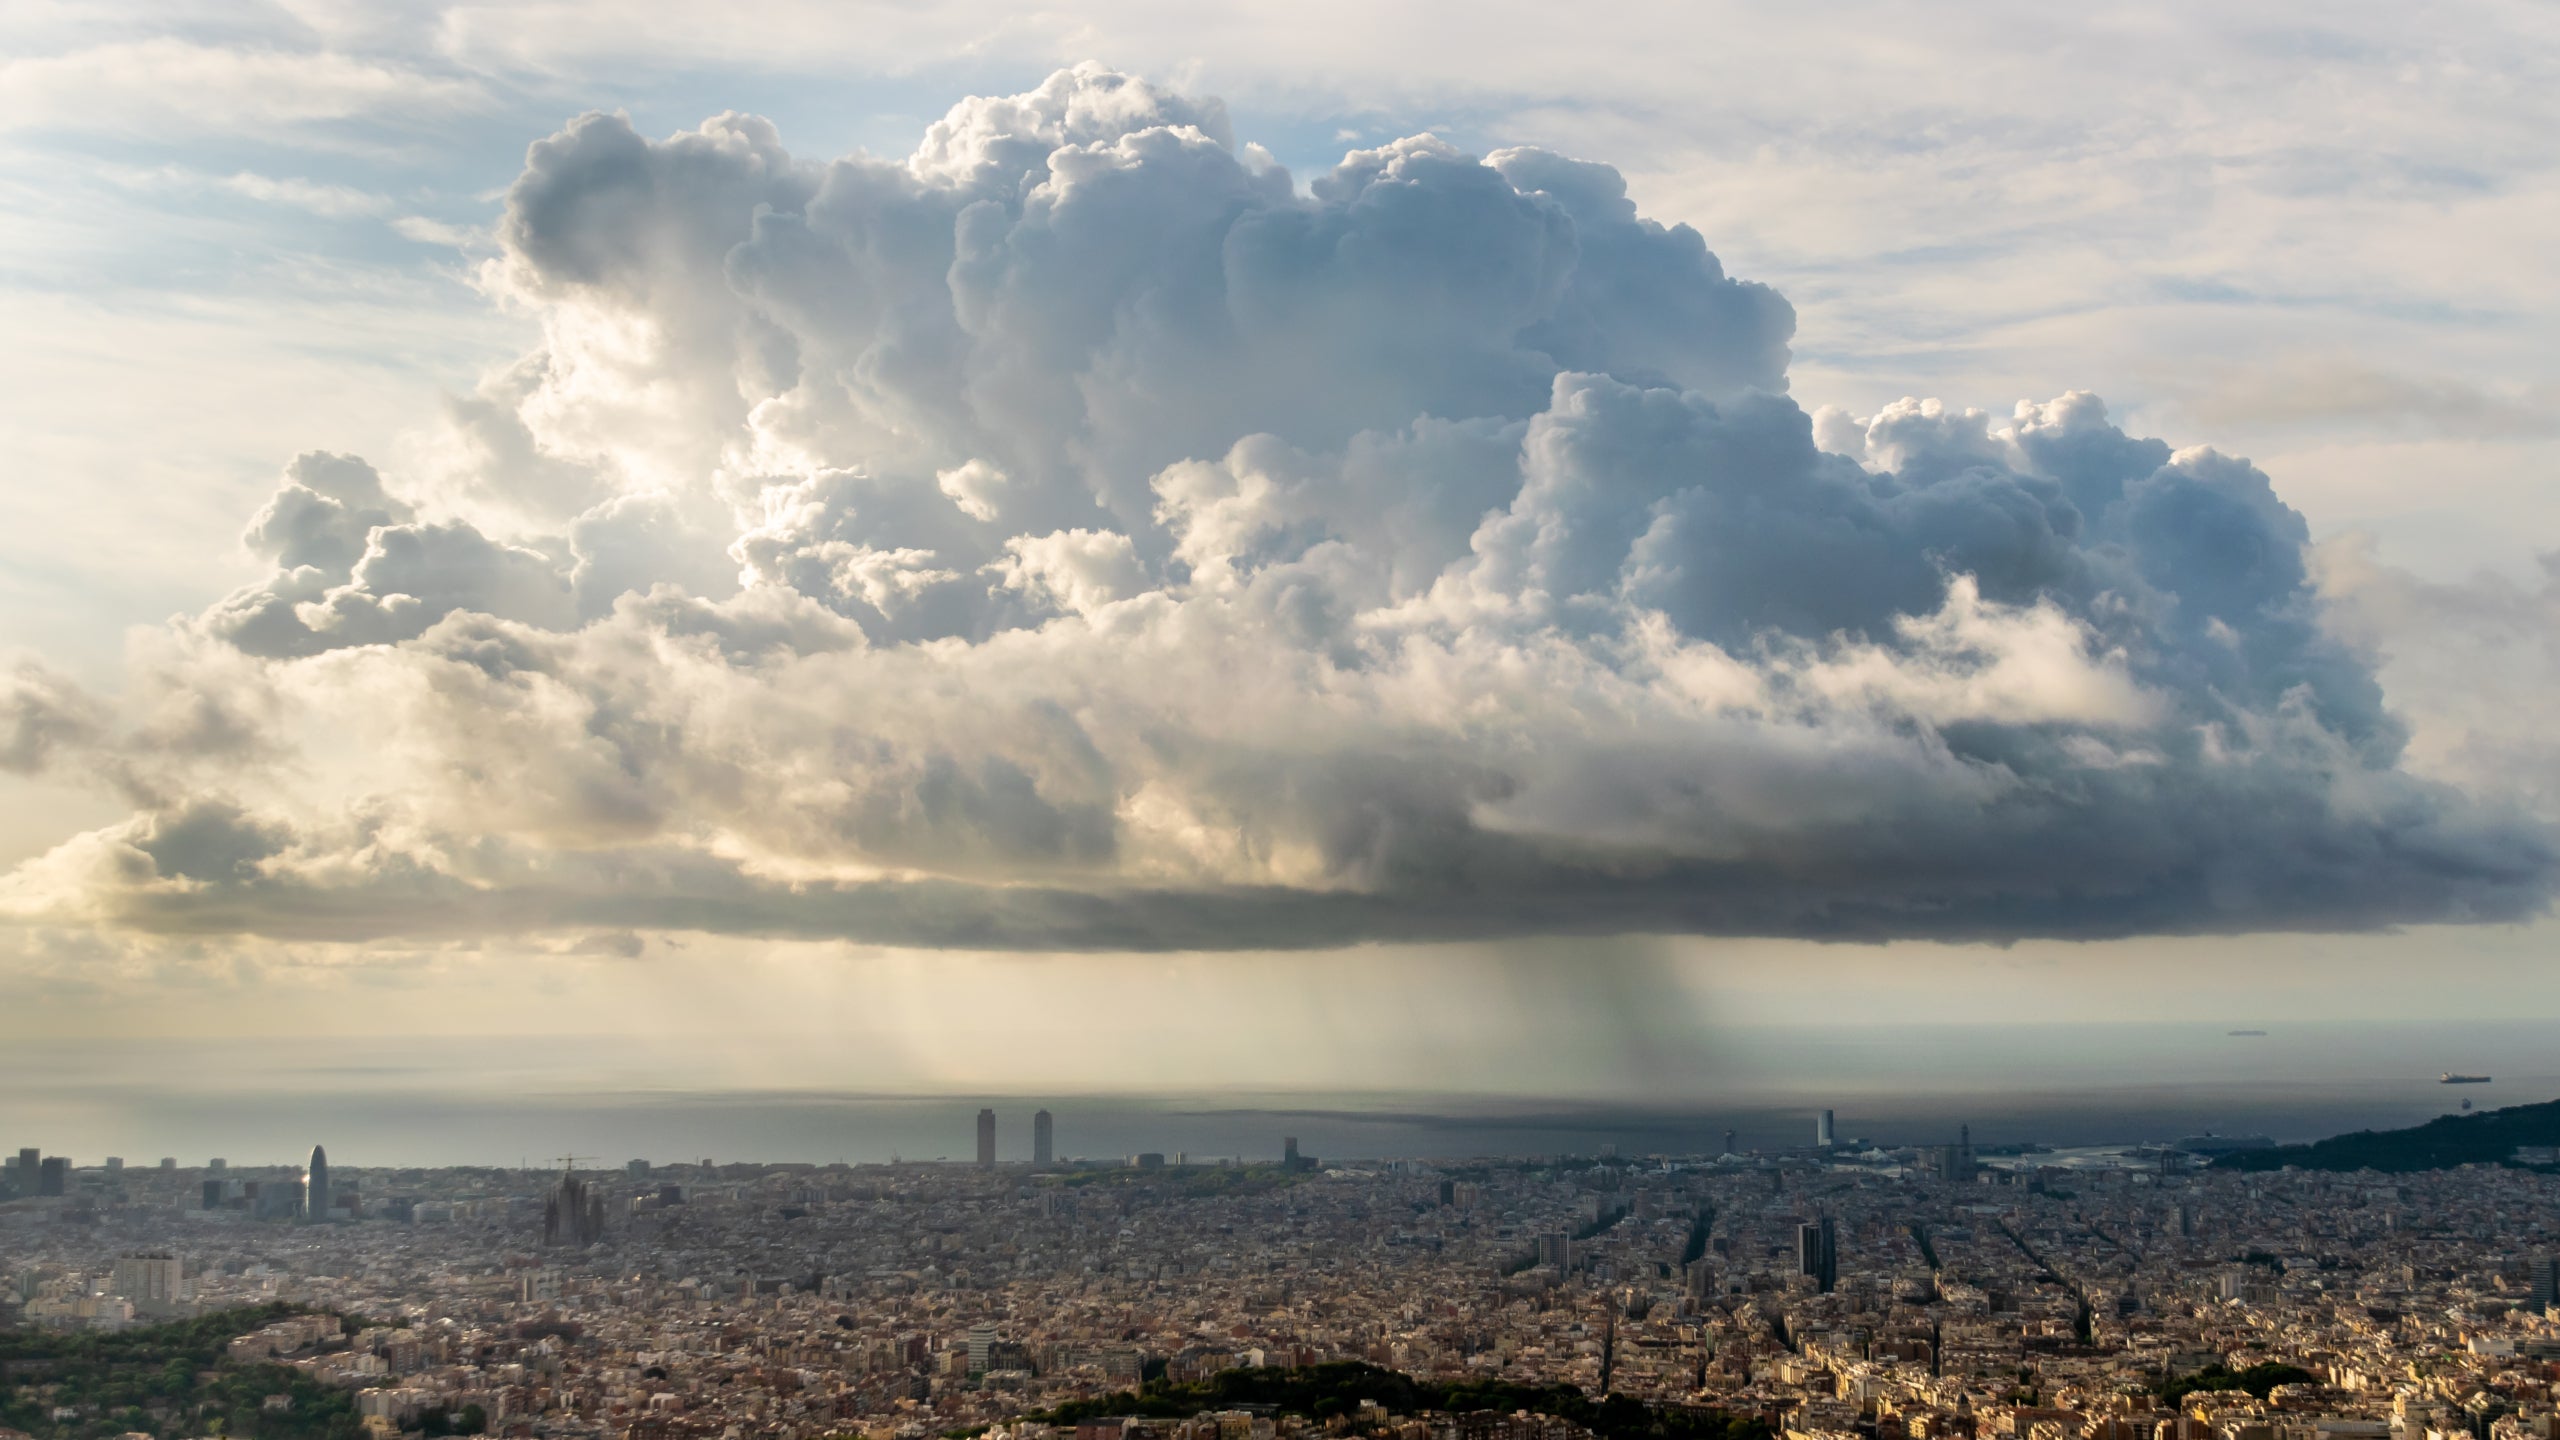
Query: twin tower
[1043,1139]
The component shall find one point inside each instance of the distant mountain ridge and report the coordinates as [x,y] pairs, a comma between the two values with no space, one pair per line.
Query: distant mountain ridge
[2486,1137]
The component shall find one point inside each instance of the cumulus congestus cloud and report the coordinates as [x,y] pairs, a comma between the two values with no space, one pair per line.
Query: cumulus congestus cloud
[1079,533]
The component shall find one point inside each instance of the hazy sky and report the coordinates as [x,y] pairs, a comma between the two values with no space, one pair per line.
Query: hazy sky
[1388,530]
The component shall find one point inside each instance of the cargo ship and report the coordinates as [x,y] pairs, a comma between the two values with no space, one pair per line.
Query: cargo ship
[2452,1079]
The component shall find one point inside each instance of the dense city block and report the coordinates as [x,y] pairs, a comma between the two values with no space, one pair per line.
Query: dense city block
[1840,1289]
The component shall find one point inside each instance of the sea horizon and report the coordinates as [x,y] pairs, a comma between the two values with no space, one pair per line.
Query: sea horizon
[422,1102]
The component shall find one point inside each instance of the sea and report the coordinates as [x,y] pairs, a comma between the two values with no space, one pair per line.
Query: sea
[529,1100]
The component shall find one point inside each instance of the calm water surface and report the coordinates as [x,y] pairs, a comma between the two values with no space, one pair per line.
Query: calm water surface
[501,1100]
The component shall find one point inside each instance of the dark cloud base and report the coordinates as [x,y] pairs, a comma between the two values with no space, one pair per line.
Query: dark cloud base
[2392,881]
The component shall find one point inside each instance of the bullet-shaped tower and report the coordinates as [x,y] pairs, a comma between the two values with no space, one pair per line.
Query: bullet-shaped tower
[316,1192]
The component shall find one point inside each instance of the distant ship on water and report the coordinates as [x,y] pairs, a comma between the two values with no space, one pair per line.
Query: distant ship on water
[2210,1145]
[2452,1079]
[2244,1032]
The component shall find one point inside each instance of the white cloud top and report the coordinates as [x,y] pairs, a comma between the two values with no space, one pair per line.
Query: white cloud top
[1078,535]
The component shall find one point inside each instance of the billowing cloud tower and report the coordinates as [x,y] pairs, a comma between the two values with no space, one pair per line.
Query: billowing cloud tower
[1079,533]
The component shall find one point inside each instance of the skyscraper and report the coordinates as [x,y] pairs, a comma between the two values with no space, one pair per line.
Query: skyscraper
[1289,1152]
[1043,1139]
[316,1188]
[1818,1252]
[53,1176]
[1822,1130]
[987,1139]
[1954,1163]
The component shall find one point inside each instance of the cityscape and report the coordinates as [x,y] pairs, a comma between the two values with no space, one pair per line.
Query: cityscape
[1838,1289]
